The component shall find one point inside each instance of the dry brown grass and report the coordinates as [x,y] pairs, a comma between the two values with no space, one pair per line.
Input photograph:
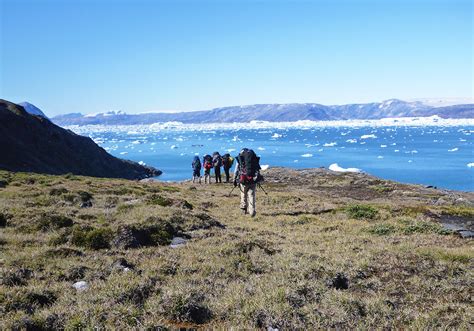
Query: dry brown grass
[283,269]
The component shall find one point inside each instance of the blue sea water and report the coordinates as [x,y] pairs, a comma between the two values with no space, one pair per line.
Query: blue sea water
[438,156]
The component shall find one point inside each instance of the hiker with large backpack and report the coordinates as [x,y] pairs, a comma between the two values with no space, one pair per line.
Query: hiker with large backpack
[247,176]
[207,163]
[196,169]
[227,162]
[217,163]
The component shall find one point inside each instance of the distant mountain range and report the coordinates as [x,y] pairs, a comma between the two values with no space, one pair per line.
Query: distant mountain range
[276,113]
[32,143]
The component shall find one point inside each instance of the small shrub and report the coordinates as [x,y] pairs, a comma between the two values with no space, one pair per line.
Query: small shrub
[362,212]
[85,196]
[3,220]
[422,227]
[159,200]
[58,191]
[47,222]
[382,229]
[92,238]
[185,307]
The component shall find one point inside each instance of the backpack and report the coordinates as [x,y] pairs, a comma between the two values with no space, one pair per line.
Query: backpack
[217,160]
[207,160]
[196,163]
[249,165]
[227,161]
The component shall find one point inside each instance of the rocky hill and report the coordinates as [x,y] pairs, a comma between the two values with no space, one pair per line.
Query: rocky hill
[276,113]
[32,143]
[326,251]
[32,109]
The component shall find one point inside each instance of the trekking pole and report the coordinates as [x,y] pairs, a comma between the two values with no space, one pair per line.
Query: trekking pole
[231,191]
[262,188]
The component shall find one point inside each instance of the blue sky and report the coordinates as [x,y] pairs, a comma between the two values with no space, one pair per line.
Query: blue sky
[137,56]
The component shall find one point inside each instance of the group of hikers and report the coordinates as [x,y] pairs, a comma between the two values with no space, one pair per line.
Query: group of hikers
[246,174]
[216,161]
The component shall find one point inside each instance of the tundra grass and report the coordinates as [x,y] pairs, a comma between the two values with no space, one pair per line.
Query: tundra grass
[327,252]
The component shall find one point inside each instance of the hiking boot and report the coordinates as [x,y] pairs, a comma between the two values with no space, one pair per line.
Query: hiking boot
[253,214]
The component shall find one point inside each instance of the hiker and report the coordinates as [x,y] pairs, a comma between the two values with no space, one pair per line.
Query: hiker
[227,162]
[207,162]
[217,163]
[247,176]
[196,169]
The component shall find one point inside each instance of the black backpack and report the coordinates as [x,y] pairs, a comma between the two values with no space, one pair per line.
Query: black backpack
[196,163]
[249,165]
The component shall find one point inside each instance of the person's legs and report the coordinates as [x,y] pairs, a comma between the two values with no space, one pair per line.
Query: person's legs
[251,199]
[243,198]
[227,175]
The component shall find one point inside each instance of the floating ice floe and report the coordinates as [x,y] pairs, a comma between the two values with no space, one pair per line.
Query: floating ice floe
[307,155]
[455,149]
[264,166]
[330,144]
[470,165]
[383,146]
[380,157]
[337,168]
[123,153]
[276,135]
[141,163]
[261,148]
[160,127]
[368,136]
[173,147]
[351,141]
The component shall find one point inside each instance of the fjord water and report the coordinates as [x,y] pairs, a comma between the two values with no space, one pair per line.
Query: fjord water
[437,156]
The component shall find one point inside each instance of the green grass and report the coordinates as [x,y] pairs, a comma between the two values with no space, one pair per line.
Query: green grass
[276,270]
[361,212]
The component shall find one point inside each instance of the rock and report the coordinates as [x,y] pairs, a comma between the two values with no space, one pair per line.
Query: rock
[125,239]
[81,285]
[122,265]
[178,242]
[86,204]
[339,282]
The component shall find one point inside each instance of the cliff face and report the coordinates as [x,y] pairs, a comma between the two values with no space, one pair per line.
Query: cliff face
[34,144]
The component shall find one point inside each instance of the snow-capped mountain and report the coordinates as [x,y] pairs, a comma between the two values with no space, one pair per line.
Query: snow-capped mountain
[277,113]
[32,109]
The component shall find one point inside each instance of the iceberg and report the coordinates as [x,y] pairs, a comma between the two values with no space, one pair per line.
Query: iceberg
[335,167]
[330,144]
[307,155]
[264,166]
[455,149]
[367,136]
[470,165]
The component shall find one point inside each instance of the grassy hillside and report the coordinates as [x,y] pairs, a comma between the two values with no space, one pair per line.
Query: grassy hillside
[325,250]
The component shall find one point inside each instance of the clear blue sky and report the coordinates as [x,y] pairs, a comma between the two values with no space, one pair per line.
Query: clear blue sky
[90,56]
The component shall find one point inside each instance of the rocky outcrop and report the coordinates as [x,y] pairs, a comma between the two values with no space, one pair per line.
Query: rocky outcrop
[32,143]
